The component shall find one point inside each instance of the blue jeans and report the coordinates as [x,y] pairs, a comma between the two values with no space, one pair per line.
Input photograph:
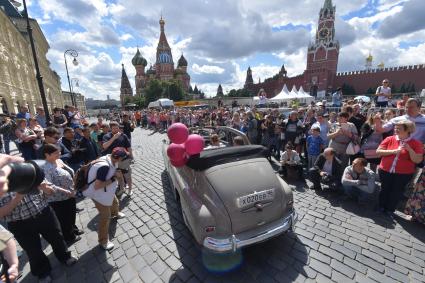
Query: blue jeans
[355,192]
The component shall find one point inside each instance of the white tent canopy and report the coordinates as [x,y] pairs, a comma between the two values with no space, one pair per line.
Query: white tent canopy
[285,95]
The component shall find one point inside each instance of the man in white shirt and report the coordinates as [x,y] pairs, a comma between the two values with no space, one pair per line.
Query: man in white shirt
[383,94]
[327,170]
[102,178]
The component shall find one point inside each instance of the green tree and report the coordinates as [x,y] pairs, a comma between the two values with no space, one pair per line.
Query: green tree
[370,91]
[139,101]
[403,88]
[412,88]
[173,90]
[127,100]
[232,93]
[195,90]
[153,91]
[348,89]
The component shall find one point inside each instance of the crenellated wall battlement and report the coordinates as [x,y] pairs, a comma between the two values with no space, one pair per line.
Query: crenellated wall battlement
[380,70]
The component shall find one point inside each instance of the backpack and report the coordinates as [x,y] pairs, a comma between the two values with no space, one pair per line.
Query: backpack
[81,182]
[375,97]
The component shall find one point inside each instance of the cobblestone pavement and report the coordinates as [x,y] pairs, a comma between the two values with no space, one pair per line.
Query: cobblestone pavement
[333,241]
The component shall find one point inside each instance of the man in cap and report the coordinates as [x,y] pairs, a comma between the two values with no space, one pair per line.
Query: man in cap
[103,180]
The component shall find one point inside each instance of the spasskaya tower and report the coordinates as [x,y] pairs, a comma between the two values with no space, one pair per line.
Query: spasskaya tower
[322,55]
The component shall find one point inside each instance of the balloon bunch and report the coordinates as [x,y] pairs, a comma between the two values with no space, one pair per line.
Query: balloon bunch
[182,144]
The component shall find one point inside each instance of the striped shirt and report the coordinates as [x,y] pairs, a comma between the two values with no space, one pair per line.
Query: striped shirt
[418,134]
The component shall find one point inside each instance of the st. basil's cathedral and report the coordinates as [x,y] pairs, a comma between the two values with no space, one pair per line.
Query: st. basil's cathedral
[163,69]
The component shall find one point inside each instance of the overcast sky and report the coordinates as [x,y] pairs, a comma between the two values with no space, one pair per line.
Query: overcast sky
[221,38]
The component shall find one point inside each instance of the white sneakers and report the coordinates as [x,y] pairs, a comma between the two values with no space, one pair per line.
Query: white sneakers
[108,246]
[120,215]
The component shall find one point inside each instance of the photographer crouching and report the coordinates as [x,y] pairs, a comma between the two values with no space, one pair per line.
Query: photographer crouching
[24,207]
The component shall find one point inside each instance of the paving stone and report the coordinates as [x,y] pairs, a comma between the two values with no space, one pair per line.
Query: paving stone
[370,262]
[339,277]
[360,278]
[373,256]
[320,256]
[417,276]
[322,279]
[379,244]
[321,267]
[343,250]
[173,262]
[331,243]
[332,253]
[322,241]
[308,242]
[409,257]
[343,268]
[147,275]
[305,233]
[396,275]
[383,253]
[408,264]
[379,277]
[159,267]
[127,273]
[355,265]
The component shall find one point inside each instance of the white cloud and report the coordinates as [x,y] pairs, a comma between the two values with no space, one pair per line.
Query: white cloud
[207,69]
[218,44]
[126,37]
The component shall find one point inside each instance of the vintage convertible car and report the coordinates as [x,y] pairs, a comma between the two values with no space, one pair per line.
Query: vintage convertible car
[230,196]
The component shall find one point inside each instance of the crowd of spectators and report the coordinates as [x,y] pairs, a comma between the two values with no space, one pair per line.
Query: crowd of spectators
[71,147]
[345,146]
[350,147]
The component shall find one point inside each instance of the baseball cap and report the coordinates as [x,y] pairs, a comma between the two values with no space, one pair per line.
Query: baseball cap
[119,152]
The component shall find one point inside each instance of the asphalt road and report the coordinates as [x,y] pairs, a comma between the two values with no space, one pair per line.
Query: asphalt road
[333,240]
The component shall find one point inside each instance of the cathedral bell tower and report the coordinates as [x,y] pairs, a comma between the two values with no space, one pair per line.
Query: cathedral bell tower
[322,55]
[125,90]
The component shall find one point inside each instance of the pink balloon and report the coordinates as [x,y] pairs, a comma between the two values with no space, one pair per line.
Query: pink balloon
[178,133]
[179,163]
[176,152]
[194,144]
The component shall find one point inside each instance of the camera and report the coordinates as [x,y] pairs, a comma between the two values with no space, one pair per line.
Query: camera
[25,177]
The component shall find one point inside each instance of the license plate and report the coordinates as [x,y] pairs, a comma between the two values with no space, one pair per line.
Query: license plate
[248,200]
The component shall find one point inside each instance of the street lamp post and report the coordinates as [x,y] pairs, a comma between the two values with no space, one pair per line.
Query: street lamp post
[74,82]
[37,68]
[74,54]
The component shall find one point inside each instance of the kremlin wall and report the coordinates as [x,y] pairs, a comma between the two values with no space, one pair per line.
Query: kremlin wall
[321,77]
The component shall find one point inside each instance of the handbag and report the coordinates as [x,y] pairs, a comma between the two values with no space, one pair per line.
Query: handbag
[352,148]
[370,154]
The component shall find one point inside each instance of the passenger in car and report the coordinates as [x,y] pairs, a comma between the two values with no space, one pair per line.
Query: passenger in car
[237,141]
[214,142]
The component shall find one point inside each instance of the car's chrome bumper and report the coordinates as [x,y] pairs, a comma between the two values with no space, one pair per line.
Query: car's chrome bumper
[233,243]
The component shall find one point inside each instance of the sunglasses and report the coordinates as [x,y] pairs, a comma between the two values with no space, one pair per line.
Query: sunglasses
[385,82]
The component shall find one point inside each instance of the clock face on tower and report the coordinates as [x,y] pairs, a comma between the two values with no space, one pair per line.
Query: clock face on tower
[323,33]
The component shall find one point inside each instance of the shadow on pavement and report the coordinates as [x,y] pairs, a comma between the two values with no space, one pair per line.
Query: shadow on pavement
[282,258]
[90,267]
